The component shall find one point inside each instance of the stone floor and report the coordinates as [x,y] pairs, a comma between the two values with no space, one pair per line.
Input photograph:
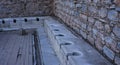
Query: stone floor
[16,49]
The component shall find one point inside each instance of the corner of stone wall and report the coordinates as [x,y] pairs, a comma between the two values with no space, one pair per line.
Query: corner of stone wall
[98,21]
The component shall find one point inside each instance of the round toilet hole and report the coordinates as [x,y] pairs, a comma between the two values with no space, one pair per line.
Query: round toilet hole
[25,20]
[14,20]
[75,54]
[37,19]
[3,22]
[56,30]
[67,43]
[60,35]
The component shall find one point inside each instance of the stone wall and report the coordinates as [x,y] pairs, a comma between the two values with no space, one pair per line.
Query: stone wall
[23,8]
[97,21]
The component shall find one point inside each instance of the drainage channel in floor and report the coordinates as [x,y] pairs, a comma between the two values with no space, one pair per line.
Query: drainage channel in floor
[37,57]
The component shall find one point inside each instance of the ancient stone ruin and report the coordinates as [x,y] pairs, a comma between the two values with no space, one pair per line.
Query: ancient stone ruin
[59,32]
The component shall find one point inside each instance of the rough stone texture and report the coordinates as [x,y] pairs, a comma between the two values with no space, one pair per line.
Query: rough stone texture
[112,15]
[116,30]
[103,12]
[20,8]
[117,2]
[117,60]
[118,46]
[108,52]
[94,20]
[97,21]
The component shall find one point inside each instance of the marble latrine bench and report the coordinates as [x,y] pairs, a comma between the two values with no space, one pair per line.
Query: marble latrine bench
[20,22]
[70,49]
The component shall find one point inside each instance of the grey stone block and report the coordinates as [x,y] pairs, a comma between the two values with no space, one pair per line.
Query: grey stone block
[118,9]
[95,31]
[83,8]
[108,2]
[117,60]
[118,46]
[116,30]
[103,12]
[98,24]
[109,40]
[107,28]
[113,15]
[83,34]
[109,52]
